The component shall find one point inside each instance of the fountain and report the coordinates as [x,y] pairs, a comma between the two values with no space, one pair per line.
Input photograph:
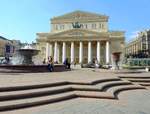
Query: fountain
[27,53]
[22,62]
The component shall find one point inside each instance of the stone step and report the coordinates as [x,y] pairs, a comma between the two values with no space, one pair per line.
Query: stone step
[30,102]
[135,77]
[91,94]
[105,80]
[26,87]
[105,86]
[12,95]
[144,84]
[139,80]
[116,90]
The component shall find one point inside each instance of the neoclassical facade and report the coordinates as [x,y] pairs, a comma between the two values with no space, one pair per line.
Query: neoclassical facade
[81,37]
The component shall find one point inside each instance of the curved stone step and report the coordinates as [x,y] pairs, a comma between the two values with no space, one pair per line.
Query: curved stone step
[116,90]
[107,85]
[98,95]
[145,84]
[105,80]
[139,80]
[135,77]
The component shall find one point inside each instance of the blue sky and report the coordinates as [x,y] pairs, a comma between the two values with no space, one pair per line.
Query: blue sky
[22,19]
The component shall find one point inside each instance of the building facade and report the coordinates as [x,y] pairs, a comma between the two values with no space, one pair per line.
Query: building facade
[140,46]
[8,47]
[81,37]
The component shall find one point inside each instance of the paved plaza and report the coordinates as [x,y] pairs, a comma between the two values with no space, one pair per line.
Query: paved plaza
[79,91]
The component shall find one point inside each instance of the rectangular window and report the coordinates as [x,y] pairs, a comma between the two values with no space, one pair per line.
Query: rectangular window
[144,46]
[86,26]
[93,26]
[56,27]
[100,25]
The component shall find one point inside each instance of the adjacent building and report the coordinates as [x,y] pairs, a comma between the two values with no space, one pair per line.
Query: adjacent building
[81,37]
[8,47]
[140,46]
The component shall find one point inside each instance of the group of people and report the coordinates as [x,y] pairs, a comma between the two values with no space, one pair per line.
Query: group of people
[6,60]
[51,63]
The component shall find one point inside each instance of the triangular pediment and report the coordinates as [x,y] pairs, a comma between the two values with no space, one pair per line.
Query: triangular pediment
[80,15]
[77,33]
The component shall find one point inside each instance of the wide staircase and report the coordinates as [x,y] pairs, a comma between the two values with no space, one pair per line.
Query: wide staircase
[17,97]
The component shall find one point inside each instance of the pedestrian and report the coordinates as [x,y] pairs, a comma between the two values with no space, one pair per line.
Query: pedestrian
[50,64]
[44,61]
[96,63]
[66,63]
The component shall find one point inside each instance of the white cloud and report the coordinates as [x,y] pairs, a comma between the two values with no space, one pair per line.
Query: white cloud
[133,36]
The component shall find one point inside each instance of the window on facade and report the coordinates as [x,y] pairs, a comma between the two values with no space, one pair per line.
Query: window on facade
[144,46]
[61,27]
[143,38]
[86,26]
[93,26]
[100,25]
[56,27]
[43,50]
[70,26]
[82,26]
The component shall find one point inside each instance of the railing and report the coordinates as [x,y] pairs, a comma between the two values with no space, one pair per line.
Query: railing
[138,62]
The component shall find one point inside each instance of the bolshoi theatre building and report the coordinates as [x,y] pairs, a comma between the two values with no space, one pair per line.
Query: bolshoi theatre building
[81,37]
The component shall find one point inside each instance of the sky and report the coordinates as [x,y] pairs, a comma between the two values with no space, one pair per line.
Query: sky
[22,19]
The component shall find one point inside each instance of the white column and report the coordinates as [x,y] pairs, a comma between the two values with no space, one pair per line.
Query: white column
[89,52]
[58,53]
[81,52]
[63,52]
[98,51]
[47,51]
[72,52]
[51,49]
[107,52]
[55,52]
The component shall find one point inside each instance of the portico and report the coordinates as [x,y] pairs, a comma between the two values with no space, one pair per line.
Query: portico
[85,51]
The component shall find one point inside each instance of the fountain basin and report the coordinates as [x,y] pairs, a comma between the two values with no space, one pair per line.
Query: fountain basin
[27,55]
[30,68]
